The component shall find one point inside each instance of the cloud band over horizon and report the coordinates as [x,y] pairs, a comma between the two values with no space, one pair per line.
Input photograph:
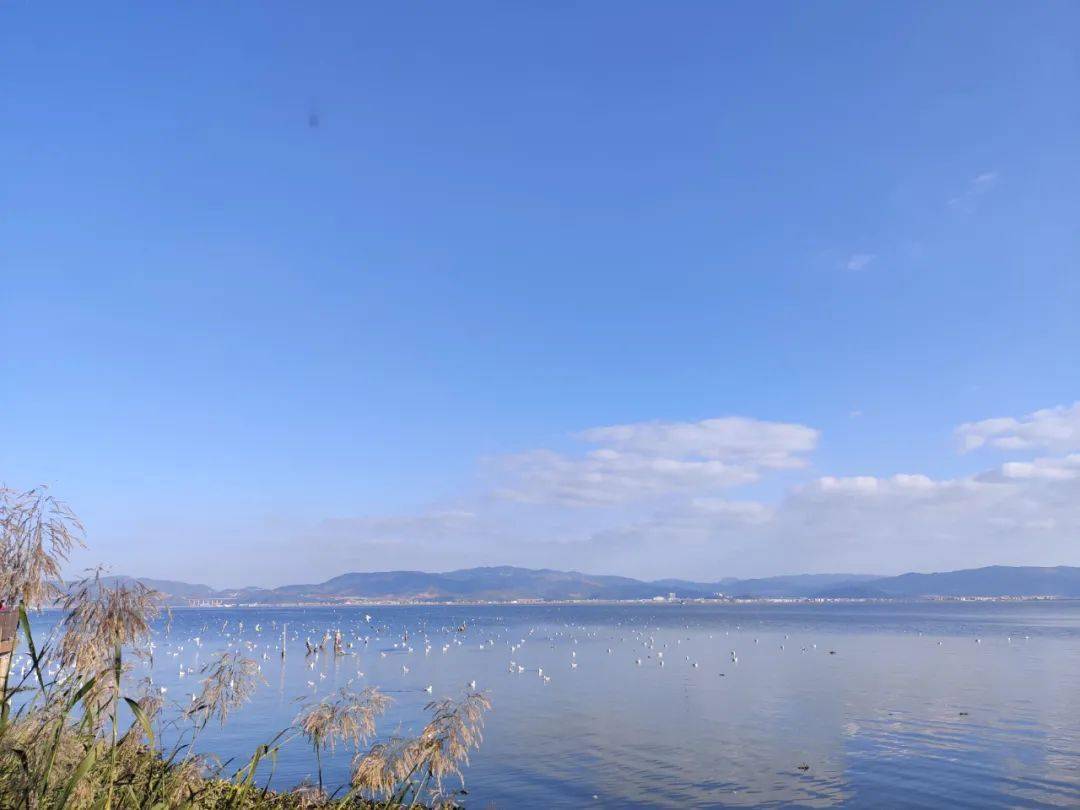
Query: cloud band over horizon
[655,499]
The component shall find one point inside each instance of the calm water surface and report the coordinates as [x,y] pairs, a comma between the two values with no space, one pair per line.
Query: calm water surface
[953,704]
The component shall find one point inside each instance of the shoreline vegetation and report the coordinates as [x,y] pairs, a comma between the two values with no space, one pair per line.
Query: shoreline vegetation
[77,730]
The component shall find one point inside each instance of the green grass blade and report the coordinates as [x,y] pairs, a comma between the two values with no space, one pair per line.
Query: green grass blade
[24,621]
[80,772]
[144,721]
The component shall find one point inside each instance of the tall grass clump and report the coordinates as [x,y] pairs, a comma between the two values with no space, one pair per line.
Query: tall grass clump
[77,731]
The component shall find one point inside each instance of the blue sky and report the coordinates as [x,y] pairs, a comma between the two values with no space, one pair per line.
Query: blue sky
[304,288]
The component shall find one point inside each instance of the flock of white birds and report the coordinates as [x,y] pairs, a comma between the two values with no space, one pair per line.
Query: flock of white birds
[348,642]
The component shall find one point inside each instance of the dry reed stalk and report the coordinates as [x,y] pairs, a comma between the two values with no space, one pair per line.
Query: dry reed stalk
[37,533]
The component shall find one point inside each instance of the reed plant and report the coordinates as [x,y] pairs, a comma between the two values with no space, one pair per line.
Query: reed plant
[77,732]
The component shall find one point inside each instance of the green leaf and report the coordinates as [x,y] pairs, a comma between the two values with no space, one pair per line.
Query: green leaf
[81,693]
[80,772]
[144,721]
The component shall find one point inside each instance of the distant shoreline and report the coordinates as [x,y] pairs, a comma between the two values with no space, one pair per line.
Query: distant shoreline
[510,585]
[749,601]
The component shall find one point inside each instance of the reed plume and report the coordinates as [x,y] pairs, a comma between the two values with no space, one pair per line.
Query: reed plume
[37,533]
[386,767]
[99,619]
[228,683]
[455,729]
[349,717]
[403,765]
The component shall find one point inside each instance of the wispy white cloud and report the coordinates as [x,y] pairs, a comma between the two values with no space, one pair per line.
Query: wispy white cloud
[1055,428]
[1020,512]
[1064,468]
[861,523]
[860,261]
[976,188]
[733,439]
[652,459]
[966,200]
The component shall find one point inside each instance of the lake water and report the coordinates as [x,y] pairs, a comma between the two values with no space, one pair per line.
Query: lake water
[925,704]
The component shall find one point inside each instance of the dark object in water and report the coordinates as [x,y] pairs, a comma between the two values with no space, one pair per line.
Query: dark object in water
[963,714]
[803,767]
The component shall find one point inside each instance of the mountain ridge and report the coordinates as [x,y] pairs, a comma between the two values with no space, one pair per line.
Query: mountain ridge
[509,583]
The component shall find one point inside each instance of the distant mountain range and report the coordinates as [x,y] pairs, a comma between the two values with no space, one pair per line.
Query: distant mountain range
[506,583]
[996,580]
